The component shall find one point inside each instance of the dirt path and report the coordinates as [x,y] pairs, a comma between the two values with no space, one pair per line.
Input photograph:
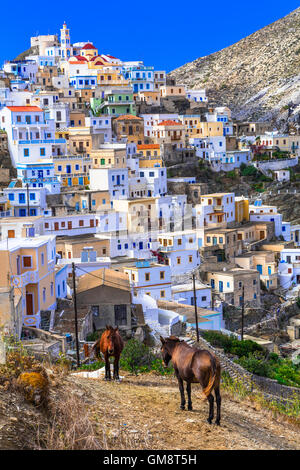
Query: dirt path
[143,412]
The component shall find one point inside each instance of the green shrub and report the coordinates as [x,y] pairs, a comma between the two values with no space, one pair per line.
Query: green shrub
[136,357]
[93,336]
[256,364]
[232,345]
[286,373]
[94,366]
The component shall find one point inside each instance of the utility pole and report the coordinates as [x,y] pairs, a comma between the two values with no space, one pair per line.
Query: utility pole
[243,308]
[75,312]
[195,304]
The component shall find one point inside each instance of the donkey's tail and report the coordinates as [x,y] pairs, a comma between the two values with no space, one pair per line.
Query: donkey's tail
[207,390]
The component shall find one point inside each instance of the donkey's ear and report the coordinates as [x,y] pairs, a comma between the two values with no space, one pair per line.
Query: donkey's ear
[107,327]
[162,340]
[117,328]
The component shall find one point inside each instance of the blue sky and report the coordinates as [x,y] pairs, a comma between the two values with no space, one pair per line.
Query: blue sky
[163,33]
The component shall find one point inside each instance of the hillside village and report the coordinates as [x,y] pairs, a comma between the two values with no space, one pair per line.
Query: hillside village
[148,199]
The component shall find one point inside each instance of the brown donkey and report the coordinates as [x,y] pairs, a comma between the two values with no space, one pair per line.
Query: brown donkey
[110,344]
[194,366]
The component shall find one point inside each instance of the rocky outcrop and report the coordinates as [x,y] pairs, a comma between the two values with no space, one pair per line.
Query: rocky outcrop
[258,77]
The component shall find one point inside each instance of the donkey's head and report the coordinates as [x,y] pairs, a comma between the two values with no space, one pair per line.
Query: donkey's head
[111,334]
[168,345]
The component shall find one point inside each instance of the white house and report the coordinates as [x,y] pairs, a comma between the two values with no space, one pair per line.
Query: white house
[282,175]
[180,251]
[40,174]
[289,267]
[259,212]
[184,294]
[114,180]
[198,96]
[27,201]
[30,136]
[150,278]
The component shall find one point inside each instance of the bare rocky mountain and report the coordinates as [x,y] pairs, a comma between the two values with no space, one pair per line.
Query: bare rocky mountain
[258,77]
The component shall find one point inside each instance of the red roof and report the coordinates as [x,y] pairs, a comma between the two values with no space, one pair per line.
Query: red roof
[23,109]
[148,146]
[89,46]
[169,123]
[80,57]
[123,117]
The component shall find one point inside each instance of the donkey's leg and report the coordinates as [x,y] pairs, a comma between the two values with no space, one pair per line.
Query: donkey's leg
[181,389]
[116,368]
[107,368]
[211,408]
[189,393]
[218,400]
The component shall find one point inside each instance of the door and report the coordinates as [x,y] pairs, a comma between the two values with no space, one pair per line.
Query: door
[261,235]
[259,268]
[220,286]
[69,224]
[29,304]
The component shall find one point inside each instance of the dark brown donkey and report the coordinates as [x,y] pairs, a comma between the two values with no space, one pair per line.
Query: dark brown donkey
[194,366]
[110,344]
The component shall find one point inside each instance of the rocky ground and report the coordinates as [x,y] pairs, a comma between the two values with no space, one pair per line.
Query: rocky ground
[258,77]
[142,413]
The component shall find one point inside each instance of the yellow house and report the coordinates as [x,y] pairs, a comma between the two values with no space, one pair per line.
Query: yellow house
[207,129]
[28,265]
[110,155]
[72,170]
[149,150]
[141,213]
[241,209]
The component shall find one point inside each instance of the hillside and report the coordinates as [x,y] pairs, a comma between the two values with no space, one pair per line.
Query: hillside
[258,77]
[138,413]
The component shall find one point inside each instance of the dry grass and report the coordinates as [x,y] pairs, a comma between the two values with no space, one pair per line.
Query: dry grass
[69,425]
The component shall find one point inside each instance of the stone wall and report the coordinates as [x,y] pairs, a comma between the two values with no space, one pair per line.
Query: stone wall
[271,389]
[274,165]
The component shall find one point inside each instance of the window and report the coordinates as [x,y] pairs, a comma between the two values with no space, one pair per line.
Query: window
[42,259]
[26,152]
[190,259]
[95,310]
[162,293]
[26,261]
[178,260]
[32,196]
[120,315]
[147,276]
[44,294]
[42,152]
[162,275]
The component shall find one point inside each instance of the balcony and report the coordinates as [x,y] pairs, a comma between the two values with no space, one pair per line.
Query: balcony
[29,277]
[43,141]
[6,214]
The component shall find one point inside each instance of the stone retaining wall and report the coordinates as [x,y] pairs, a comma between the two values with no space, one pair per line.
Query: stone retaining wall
[271,389]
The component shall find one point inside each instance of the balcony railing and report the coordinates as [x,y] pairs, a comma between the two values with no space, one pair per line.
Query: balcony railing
[22,280]
[43,141]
